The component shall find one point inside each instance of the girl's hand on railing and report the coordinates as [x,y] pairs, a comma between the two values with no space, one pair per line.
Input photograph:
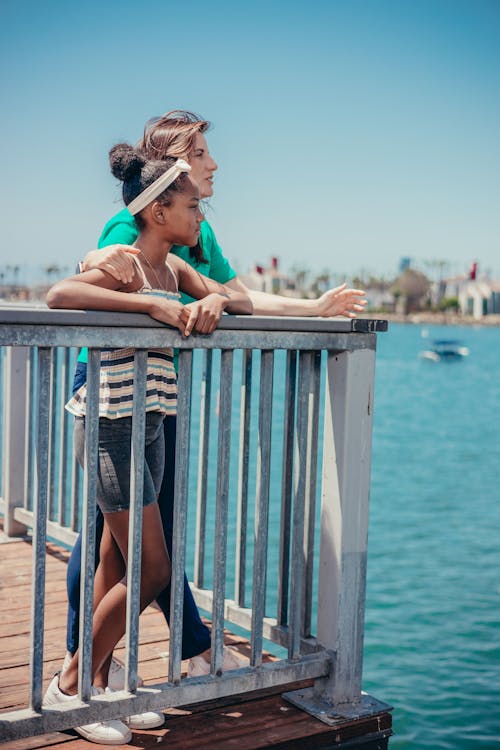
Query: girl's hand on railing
[341,301]
[168,311]
[205,313]
[117,260]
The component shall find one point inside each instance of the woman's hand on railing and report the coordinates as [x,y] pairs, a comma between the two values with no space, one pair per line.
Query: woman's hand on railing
[341,301]
[117,260]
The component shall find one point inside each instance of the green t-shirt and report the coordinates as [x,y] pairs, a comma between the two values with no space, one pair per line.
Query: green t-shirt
[122,230]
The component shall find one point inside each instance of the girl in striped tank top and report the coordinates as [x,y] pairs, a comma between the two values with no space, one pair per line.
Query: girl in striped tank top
[165,203]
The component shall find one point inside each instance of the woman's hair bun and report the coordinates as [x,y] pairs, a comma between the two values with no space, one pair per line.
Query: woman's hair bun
[125,161]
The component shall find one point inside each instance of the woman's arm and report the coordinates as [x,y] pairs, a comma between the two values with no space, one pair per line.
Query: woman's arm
[198,286]
[337,301]
[212,298]
[97,290]
[117,260]
[115,253]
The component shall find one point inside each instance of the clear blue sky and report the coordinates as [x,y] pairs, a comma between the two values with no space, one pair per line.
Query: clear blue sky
[348,133]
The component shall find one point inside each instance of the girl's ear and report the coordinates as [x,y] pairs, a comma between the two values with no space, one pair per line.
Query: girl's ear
[158,212]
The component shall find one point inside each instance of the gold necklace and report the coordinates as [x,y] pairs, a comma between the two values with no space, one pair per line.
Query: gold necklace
[160,285]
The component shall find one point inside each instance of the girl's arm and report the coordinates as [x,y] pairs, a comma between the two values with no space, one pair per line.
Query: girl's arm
[97,290]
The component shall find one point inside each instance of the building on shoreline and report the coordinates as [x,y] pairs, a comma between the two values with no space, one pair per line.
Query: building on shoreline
[476,297]
[269,279]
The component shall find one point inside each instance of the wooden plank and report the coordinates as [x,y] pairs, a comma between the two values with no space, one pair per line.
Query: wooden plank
[53,740]
[251,725]
[266,722]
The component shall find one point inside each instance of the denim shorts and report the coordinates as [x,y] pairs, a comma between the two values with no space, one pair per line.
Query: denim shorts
[113,470]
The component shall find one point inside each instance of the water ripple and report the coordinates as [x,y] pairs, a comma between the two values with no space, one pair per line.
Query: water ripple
[432,645]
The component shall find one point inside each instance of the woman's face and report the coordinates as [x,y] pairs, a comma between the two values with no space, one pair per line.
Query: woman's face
[202,166]
[183,217]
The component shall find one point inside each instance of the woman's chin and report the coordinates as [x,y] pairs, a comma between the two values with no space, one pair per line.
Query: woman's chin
[207,190]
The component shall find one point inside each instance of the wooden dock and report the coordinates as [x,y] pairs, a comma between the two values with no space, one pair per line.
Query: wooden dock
[244,722]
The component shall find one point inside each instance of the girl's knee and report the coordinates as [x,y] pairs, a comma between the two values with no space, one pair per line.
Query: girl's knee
[164,576]
[157,578]
[108,555]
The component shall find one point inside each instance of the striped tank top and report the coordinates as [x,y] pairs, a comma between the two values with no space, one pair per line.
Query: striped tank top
[116,382]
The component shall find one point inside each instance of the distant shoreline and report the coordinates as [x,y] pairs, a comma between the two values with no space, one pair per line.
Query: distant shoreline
[441,319]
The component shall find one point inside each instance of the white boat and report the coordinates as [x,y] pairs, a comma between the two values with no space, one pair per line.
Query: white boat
[448,350]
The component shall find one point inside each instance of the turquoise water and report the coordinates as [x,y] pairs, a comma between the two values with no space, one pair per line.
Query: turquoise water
[432,644]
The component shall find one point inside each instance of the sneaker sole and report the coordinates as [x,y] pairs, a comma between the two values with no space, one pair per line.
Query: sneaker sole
[91,737]
[144,724]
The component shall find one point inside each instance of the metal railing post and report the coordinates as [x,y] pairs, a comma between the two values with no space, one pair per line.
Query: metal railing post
[135,519]
[262,505]
[88,524]
[343,538]
[221,511]
[243,466]
[40,530]
[15,399]
[344,519]
[201,497]
[180,513]
[287,487]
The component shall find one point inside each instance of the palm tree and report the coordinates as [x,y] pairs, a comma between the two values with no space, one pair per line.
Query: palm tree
[300,277]
[52,270]
[322,282]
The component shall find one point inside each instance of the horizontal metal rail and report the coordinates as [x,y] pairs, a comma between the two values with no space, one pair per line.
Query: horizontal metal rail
[28,723]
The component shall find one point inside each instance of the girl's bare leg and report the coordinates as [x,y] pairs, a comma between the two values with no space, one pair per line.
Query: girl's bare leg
[109,616]
[110,571]
[111,568]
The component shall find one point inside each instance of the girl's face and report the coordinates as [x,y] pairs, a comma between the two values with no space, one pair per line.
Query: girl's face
[202,166]
[183,217]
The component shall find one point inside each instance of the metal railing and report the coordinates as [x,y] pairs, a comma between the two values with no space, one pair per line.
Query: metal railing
[312,379]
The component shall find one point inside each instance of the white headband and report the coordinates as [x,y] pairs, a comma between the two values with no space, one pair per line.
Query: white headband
[158,186]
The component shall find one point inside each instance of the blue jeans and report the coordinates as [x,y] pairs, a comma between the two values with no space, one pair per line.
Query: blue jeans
[195,635]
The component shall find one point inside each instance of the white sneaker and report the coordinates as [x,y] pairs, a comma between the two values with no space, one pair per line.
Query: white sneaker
[112,732]
[198,666]
[116,675]
[66,662]
[145,720]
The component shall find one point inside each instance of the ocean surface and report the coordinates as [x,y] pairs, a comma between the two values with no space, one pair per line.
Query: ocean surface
[432,638]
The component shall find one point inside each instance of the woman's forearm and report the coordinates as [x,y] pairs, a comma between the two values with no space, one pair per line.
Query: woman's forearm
[198,286]
[340,300]
[275,304]
[238,303]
